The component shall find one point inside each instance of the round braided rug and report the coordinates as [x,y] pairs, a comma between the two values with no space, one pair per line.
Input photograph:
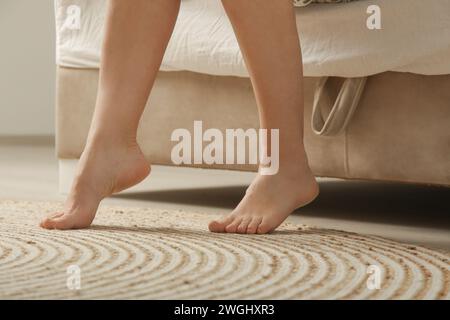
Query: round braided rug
[143,253]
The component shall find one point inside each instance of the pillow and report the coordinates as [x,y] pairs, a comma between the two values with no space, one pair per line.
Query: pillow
[303,3]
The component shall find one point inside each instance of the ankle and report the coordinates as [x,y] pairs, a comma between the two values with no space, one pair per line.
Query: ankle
[295,161]
[111,140]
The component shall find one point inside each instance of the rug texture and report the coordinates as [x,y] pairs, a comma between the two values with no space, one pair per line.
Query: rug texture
[143,253]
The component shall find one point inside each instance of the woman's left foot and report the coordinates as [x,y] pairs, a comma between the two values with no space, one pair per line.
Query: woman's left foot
[269,200]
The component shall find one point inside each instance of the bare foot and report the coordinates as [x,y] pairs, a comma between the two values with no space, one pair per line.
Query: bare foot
[269,200]
[105,167]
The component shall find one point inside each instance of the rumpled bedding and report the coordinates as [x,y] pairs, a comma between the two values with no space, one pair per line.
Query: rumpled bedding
[414,37]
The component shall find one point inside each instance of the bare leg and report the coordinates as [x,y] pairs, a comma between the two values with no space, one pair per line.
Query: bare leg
[268,38]
[137,33]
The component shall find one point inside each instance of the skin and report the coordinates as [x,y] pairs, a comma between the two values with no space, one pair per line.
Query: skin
[137,33]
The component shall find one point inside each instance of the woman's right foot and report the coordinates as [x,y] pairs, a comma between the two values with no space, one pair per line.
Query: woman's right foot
[105,167]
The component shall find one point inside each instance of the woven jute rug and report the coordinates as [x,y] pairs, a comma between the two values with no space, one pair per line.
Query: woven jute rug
[143,253]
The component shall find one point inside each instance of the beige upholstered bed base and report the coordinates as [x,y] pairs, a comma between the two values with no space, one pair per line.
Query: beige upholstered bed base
[399,132]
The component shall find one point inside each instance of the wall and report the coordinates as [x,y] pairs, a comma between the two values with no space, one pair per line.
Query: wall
[27,67]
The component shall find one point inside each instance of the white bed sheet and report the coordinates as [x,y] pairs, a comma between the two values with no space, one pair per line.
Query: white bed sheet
[415,37]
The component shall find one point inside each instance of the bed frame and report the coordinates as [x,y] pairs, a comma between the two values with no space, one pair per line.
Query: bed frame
[400,130]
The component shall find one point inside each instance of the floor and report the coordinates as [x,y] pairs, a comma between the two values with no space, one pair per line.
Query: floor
[416,214]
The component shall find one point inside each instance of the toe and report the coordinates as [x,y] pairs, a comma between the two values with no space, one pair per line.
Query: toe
[46,222]
[232,227]
[215,226]
[264,227]
[253,225]
[242,228]
[63,223]
[219,225]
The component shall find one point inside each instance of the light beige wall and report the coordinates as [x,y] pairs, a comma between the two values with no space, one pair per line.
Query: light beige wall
[27,67]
